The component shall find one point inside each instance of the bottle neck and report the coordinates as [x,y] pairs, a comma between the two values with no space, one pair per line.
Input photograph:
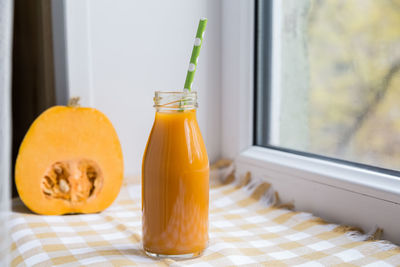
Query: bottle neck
[175,101]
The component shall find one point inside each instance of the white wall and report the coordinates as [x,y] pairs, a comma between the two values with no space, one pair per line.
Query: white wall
[120,52]
[237,28]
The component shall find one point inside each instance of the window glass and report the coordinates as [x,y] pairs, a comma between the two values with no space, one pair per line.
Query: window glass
[334,87]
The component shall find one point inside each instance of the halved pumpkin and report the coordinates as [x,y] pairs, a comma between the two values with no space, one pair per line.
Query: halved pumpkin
[70,161]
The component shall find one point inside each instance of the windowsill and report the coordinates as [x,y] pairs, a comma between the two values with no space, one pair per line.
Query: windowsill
[377,185]
[338,193]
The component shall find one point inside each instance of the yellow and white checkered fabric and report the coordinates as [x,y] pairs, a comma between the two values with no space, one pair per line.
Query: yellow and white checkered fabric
[243,231]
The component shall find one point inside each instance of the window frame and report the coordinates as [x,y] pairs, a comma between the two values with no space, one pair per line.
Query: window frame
[335,191]
[262,97]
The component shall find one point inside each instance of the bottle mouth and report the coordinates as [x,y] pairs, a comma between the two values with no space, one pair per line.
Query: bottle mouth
[175,100]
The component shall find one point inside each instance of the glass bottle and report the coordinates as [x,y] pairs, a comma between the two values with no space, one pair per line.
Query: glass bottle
[175,180]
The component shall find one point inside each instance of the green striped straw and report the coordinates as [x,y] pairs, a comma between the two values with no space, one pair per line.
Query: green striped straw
[195,54]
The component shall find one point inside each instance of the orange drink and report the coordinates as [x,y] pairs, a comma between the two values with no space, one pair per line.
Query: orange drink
[175,180]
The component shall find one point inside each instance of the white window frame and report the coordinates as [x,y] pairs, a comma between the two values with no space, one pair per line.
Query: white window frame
[336,192]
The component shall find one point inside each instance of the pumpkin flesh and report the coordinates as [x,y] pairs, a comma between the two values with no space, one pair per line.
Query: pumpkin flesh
[70,161]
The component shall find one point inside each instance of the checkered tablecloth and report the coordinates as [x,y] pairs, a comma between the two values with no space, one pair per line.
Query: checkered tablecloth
[247,227]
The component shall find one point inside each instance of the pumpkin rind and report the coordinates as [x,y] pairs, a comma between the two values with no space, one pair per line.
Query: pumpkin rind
[69,136]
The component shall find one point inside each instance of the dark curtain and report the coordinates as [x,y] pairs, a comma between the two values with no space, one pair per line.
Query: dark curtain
[33,86]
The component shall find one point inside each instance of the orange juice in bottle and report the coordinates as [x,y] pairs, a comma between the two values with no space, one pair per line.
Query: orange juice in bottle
[175,180]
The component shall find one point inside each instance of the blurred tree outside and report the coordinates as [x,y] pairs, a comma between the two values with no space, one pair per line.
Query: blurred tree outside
[353,49]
